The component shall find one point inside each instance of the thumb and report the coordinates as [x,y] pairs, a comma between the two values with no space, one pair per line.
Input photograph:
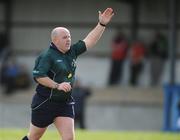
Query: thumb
[99,13]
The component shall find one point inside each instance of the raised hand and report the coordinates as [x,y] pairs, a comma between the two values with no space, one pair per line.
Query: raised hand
[105,17]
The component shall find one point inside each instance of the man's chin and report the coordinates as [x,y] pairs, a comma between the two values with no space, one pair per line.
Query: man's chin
[67,49]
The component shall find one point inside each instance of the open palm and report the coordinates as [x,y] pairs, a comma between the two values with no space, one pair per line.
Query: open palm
[106,16]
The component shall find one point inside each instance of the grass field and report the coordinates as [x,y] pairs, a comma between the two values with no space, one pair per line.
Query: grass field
[12,134]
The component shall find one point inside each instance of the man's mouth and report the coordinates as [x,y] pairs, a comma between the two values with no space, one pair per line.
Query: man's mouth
[68,44]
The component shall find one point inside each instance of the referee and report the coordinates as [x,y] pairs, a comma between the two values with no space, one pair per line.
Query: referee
[54,71]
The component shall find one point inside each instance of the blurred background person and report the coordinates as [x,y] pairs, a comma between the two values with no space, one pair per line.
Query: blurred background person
[158,53]
[119,48]
[14,75]
[80,94]
[137,55]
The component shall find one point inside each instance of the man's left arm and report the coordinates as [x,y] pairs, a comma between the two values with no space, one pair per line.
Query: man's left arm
[104,18]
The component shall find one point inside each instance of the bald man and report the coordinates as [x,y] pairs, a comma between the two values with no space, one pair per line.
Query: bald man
[54,72]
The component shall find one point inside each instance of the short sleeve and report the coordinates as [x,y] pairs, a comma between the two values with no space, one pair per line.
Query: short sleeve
[79,47]
[42,66]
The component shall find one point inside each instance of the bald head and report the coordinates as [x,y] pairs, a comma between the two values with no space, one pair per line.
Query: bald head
[61,37]
[57,31]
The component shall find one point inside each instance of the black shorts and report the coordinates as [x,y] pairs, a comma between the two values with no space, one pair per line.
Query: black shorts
[44,111]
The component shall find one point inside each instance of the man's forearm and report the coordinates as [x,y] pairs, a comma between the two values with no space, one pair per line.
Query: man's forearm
[94,36]
[46,81]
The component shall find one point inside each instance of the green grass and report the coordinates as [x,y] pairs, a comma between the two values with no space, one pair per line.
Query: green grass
[17,134]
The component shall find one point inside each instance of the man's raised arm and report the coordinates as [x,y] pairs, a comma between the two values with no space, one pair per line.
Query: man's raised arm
[104,18]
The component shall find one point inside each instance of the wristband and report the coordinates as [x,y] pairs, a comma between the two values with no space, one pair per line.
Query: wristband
[102,24]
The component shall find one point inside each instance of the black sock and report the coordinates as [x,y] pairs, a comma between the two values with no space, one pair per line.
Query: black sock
[25,138]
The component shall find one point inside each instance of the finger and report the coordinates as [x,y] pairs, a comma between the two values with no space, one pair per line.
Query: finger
[112,15]
[108,11]
[67,86]
[111,10]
